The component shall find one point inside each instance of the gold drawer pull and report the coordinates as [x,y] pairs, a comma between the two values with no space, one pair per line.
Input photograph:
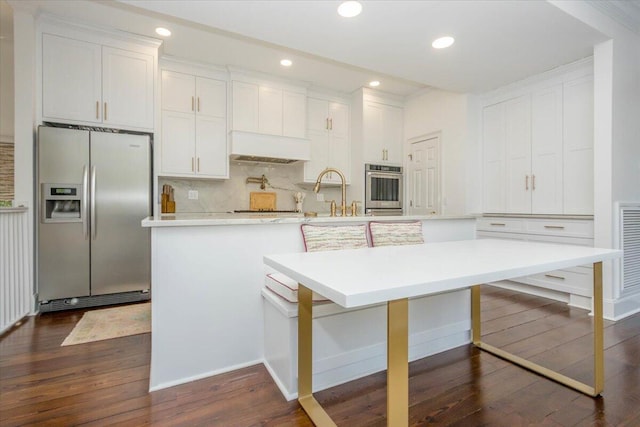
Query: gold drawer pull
[501,224]
[551,276]
[555,227]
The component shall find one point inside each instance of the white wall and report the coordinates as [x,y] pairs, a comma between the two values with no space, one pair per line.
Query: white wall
[445,112]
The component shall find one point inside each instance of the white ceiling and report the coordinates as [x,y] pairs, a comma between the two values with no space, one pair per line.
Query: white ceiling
[497,42]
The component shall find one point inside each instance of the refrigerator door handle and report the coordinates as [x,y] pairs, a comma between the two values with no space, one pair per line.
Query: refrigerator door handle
[94,226]
[85,202]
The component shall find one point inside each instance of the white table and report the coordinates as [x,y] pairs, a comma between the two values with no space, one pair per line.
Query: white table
[392,274]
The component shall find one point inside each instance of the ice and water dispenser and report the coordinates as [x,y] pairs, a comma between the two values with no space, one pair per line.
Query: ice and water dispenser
[61,203]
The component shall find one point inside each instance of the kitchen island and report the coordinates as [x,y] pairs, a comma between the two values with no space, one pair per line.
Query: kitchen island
[207,279]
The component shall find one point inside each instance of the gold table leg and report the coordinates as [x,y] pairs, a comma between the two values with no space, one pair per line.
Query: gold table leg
[398,363]
[598,342]
[305,361]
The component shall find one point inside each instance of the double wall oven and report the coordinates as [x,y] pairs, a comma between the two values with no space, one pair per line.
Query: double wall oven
[383,189]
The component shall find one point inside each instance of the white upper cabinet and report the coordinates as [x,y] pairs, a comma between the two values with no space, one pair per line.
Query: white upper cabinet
[93,83]
[268,109]
[538,151]
[194,136]
[328,130]
[382,132]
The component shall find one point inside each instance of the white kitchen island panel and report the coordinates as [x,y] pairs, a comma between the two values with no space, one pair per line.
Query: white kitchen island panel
[207,309]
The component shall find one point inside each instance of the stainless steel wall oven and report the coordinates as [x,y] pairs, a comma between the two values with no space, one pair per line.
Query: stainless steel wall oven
[383,189]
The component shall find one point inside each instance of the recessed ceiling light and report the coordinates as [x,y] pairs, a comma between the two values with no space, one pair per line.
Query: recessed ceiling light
[443,42]
[286,63]
[163,32]
[374,83]
[349,9]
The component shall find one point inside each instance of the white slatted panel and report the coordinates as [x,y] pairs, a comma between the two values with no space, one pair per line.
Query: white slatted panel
[15,292]
[630,243]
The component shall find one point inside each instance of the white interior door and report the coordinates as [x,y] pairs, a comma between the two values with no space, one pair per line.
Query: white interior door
[424,177]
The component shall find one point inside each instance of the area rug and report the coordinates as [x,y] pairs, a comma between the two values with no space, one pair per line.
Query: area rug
[97,325]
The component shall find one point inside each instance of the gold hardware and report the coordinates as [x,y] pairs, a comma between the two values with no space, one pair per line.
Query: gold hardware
[263,181]
[598,342]
[411,157]
[198,164]
[551,276]
[192,165]
[526,182]
[193,102]
[97,109]
[330,124]
[333,207]
[316,188]
[354,208]
[198,104]
[326,123]
[501,224]
[105,112]
[556,227]
[533,182]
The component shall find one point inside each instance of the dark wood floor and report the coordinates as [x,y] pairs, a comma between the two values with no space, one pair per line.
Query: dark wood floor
[105,383]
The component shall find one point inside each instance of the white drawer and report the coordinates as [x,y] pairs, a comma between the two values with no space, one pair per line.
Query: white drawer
[565,228]
[576,281]
[505,225]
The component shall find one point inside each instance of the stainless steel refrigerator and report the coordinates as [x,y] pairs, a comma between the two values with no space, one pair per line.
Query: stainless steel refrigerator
[94,190]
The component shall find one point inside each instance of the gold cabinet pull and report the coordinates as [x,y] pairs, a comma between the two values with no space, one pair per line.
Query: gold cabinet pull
[533,182]
[193,103]
[105,112]
[526,182]
[198,169]
[193,164]
[555,227]
[330,124]
[198,104]
[97,109]
[326,123]
[553,276]
[499,224]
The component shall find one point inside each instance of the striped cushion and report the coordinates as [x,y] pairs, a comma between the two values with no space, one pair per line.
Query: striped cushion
[318,238]
[286,287]
[396,233]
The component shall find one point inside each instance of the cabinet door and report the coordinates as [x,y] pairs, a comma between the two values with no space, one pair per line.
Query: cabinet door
[517,122]
[339,146]
[178,143]
[211,97]
[319,155]
[245,106]
[178,92]
[317,115]
[392,136]
[270,111]
[578,147]
[127,88]
[294,114]
[546,151]
[373,117]
[493,159]
[212,158]
[71,79]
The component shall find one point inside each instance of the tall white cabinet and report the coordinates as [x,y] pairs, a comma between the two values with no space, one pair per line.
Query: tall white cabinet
[328,130]
[382,132]
[538,151]
[90,78]
[194,126]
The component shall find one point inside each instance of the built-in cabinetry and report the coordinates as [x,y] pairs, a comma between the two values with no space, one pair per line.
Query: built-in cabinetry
[268,109]
[92,79]
[328,130]
[576,283]
[538,150]
[194,126]
[382,131]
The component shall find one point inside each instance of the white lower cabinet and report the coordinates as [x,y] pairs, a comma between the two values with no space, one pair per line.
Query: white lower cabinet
[575,283]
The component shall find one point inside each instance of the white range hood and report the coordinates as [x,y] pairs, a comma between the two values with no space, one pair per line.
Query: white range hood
[262,148]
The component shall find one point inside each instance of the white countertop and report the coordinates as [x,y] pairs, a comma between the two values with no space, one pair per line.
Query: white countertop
[206,219]
[359,277]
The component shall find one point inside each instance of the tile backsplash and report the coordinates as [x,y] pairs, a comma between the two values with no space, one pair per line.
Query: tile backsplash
[233,193]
